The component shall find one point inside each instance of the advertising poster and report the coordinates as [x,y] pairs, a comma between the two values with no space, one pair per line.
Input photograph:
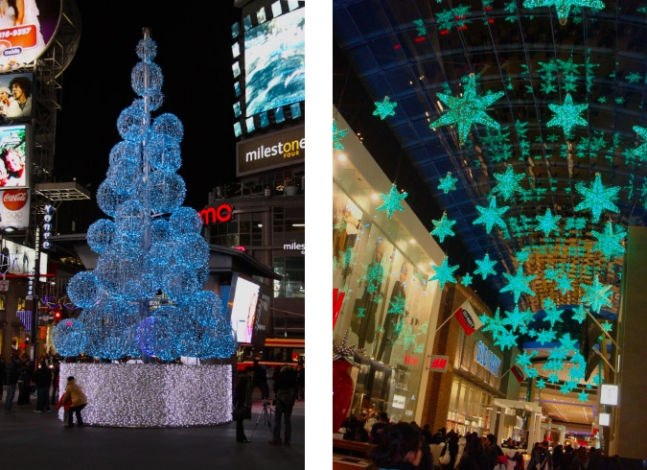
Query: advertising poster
[14,209]
[26,28]
[13,156]
[243,310]
[16,91]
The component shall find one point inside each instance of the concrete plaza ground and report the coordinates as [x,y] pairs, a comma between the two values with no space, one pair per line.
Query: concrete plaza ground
[38,441]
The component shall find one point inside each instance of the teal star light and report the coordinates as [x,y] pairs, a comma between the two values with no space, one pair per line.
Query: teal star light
[597,295]
[553,315]
[515,319]
[337,135]
[641,151]
[567,115]
[443,228]
[448,183]
[397,305]
[506,339]
[391,201]
[547,223]
[583,396]
[579,314]
[563,7]
[563,284]
[508,183]
[518,284]
[385,108]
[546,336]
[541,384]
[468,109]
[597,198]
[466,280]
[491,216]
[485,267]
[609,243]
[444,273]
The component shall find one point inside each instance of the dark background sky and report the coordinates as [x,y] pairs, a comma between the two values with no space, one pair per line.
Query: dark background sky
[194,52]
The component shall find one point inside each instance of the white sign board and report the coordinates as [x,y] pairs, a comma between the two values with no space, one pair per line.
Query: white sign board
[604,419]
[609,394]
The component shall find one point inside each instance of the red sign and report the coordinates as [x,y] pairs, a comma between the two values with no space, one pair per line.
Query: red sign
[412,360]
[439,363]
[14,200]
[211,215]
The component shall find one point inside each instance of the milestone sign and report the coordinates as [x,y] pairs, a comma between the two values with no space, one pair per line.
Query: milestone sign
[271,151]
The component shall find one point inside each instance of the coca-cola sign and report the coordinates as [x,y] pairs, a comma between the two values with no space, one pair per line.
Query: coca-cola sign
[14,200]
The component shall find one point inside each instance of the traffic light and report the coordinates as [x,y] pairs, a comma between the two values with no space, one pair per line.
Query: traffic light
[57,316]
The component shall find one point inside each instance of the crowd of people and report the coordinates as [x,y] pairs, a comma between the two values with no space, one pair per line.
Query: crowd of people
[288,385]
[406,446]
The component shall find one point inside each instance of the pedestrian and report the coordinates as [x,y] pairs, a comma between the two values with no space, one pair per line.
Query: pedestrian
[285,390]
[24,390]
[55,376]
[242,403]
[474,458]
[378,428]
[400,449]
[43,378]
[260,380]
[74,393]
[301,380]
[3,375]
[13,373]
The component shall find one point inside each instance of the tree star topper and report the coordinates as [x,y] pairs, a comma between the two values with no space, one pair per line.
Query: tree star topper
[385,108]
[344,352]
[597,198]
[467,110]
[567,115]
[391,201]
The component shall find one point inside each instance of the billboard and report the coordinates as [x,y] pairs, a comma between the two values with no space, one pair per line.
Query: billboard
[243,302]
[21,260]
[26,28]
[271,151]
[14,156]
[275,63]
[14,209]
[16,91]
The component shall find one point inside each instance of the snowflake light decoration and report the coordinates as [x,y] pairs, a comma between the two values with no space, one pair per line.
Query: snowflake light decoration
[392,202]
[597,198]
[640,152]
[547,223]
[485,267]
[508,183]
[467,110]
[447,183]
[609,243]
[337,136]
[597,295]
[385,108]
[491,216]
[567,115]
[563,7]
[443,227]
[444,273]
[553,315]
[518,284]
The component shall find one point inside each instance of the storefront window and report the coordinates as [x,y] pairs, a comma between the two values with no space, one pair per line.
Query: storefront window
[386,310]
[292,268]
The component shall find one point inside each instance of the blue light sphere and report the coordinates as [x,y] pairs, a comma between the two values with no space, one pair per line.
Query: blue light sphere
[191,250]
[130,218]
[131,123]
[69,337]
[83,289]
[163,334]
[166,191]
[185,220]
[125,151]
[169,126]
[146,49]
[146,77]
[180,282]
[163,154]
[161,230]
[109,198]
[111,330]
[100,235]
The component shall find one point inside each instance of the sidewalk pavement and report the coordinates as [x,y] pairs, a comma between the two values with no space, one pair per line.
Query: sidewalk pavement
[38,441]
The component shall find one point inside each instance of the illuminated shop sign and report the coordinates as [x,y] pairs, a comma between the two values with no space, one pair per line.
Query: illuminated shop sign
[271,151]
[294,246]
[439,363]
[487,358]
[212,215]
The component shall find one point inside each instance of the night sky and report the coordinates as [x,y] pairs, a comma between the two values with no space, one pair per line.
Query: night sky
[194,52]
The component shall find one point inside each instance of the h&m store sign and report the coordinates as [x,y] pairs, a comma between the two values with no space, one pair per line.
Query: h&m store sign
[271,151]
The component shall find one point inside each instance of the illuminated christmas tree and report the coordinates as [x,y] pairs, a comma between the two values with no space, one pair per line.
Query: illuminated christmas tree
[144,296]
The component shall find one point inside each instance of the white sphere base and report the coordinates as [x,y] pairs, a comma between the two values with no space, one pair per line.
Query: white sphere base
[152,395]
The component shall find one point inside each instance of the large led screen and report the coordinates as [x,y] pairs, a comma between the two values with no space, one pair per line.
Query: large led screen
[26,27]
[16,91]
[243,299]
[14,159]
[275,63]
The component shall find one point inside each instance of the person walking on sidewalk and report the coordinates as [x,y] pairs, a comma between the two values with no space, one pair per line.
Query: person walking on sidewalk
[285,389]
[13,372]
[75,393]
[242,403]
[43,377]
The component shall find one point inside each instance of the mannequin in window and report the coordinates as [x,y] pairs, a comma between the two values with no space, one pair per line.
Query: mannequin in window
[394,316]
[366,308]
